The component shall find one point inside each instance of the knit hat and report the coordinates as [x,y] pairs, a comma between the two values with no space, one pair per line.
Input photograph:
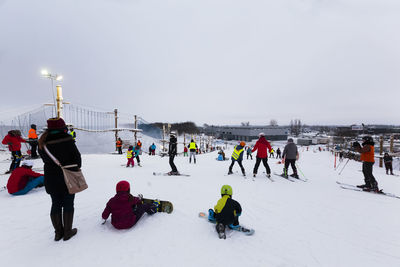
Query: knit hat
[55,124]
[123,186]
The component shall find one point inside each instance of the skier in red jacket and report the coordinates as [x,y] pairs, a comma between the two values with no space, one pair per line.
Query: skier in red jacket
[13,139]
[262,154]
[126,209]
[23,179]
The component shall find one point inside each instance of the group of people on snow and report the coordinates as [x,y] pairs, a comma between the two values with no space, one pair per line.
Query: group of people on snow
[262,146]
[126,209]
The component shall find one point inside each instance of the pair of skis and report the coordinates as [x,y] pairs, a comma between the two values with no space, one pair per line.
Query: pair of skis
[169,174]
[290,178]
[355,188]
[253,177]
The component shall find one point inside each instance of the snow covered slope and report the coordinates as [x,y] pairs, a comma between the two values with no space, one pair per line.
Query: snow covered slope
[297,224]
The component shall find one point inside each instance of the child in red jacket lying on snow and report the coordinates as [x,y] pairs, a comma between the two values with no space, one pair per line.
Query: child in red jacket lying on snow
[23,179]
[125,209]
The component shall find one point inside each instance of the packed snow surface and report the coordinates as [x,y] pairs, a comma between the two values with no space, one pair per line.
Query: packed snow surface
[313,223]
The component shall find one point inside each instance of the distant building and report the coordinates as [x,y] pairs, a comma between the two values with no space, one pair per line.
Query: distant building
[247,133]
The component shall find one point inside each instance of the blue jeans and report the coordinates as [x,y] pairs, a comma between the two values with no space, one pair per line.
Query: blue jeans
[30,185]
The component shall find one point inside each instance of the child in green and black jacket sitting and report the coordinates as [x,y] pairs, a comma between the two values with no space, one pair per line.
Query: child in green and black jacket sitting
[226,212]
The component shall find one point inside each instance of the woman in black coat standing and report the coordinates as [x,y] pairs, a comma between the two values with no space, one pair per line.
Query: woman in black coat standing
[62,146]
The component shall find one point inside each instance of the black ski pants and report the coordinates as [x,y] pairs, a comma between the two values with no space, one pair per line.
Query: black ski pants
[172,164]
[34,145]
[265,162]
[240,165]
[368,176]
[389,167]
[291,162]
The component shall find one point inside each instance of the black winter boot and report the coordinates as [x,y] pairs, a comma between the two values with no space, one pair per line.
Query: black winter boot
[68,231]
[56,220]
[220,230]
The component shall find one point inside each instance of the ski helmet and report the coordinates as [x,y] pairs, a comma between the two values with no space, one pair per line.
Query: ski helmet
[242,143]
[123,186]
[226,190]
[290,140]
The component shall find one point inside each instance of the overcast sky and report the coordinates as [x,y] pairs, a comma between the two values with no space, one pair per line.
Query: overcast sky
[208,61]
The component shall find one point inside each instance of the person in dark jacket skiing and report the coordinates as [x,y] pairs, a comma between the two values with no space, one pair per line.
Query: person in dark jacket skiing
[387,159]
[226,212]
[278,153]
[290,155]
[62,146]
[13,139]
[368,159]
[237,156]
[125,209]
[172,152]
[262,146]
[23,179]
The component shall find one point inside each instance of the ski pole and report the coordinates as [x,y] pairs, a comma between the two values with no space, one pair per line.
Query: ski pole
[301,171]
[337,167]
[344,165]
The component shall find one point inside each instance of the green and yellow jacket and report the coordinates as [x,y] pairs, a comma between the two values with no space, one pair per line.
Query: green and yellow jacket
[226,210]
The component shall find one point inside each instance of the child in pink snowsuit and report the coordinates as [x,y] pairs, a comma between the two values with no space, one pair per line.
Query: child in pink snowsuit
[129,156]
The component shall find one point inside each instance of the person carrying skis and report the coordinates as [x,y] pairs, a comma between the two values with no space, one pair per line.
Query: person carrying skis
[23,179]
[237,156]
[172,152]
[248,152]
[262,146]
[387,159]
[226,212]
[192,148]
[118,144]
[13,139]
[278,153]
[290,155]
[33,141]
[136,152]
[130,156]
[125,209]
[367,151]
